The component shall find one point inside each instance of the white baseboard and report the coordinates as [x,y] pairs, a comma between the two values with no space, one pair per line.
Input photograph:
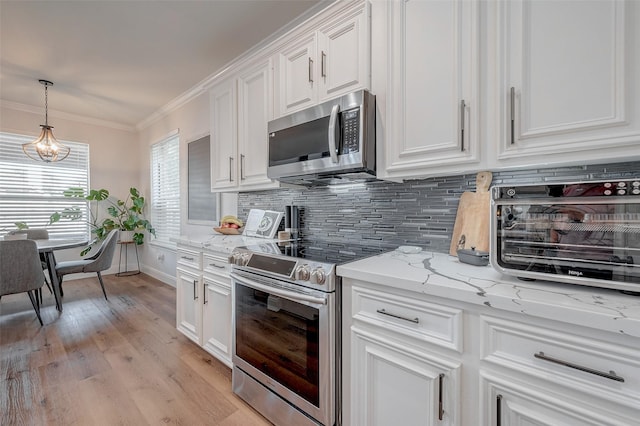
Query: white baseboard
[159,275]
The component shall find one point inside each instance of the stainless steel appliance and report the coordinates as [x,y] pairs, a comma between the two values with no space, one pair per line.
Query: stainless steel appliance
[286,320]
[581,233]
[329,143]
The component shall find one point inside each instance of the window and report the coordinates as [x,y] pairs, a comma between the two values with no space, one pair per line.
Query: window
[31,190]
[165,189]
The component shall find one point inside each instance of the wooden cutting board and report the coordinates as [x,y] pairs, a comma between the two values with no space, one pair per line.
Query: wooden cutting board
[471,228]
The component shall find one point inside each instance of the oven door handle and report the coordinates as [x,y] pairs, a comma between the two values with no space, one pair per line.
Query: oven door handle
[296,297]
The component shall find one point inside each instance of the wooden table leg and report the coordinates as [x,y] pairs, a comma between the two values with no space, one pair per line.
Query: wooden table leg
[51,266]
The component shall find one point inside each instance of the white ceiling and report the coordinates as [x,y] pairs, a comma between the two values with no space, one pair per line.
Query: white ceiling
[121,61]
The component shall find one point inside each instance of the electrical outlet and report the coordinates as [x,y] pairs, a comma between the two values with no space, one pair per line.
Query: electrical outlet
[161,257]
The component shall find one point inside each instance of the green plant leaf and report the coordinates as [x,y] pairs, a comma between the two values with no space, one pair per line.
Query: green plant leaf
[74,192]
[97,195]
[21,225]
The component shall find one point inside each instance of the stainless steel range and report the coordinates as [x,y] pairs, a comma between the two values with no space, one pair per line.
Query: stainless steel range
[287,318]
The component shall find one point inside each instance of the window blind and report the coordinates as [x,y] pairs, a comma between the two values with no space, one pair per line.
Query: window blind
[31,190]
[165,189]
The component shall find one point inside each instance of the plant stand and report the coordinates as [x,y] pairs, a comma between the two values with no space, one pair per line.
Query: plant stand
[126,271]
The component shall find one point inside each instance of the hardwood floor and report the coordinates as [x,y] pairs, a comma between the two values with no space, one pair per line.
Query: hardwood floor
[116,362]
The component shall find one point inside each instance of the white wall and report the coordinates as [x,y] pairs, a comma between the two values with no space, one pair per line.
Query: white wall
[192,122]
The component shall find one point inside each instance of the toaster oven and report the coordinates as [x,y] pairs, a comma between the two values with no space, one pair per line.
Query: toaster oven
[584,233]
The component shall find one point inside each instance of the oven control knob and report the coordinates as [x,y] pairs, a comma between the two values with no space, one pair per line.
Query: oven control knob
[303,273]
[621,192]
[607,185]
[635,191]
[621,184]
[318,276]
[607,192]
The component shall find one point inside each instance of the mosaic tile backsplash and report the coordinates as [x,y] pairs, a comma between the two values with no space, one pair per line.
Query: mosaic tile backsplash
[415,212]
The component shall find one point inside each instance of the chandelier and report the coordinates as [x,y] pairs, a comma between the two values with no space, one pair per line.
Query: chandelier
[46,147]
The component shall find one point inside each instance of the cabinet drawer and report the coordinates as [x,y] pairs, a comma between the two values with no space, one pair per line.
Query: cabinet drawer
[593,366]
[416,319]
[214,264]
[190,258]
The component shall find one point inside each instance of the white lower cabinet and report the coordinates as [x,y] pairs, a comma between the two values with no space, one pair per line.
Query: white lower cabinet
[188,312]
[203,302]
[415,359]
[507,401]
[402,367]
[216,319]
[396,384]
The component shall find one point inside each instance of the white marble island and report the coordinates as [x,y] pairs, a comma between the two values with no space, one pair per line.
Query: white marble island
[442,275]
[482,347]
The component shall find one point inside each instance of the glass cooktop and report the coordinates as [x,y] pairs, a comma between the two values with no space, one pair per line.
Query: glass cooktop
[334,252]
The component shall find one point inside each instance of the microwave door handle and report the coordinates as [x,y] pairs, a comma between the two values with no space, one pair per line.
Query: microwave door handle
[333,130]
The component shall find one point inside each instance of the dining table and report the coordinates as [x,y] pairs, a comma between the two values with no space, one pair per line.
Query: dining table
[47,248]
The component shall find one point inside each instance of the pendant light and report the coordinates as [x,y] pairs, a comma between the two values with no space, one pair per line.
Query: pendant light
[46,147]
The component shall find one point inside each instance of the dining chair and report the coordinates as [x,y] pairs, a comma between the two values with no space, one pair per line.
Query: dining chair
[37,234]
[21,271]
[101,261]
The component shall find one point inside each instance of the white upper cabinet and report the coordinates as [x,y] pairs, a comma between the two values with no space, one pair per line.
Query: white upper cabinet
[240,110]
[223,135]
[568,81]
[431,89]
[255,109]
[325,63]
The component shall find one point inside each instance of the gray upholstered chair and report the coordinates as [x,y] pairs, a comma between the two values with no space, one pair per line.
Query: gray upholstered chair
[37,234]
[21,271]
[101,261]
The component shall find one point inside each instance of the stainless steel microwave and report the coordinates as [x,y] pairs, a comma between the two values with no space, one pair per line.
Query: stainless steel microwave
[581,233]
[329,143]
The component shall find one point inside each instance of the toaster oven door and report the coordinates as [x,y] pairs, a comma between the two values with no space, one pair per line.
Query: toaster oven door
[590,242]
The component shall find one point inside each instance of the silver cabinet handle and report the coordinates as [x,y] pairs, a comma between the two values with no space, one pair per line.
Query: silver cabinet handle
[323,65]
[310,70]
[186,258]
[230,167]
[440,404]
[462,117]
[204,293]
[512,113]
[610,375]
[498,410]
[333,133]
[241,166]
[383,312]
[195,294]
[216,266]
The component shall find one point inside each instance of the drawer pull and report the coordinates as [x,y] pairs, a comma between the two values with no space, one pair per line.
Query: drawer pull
[187,258]
[498,410]
[383,312]
[440,405]
[610,375]
[217,266]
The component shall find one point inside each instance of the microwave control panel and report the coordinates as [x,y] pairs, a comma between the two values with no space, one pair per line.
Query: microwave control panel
[350,131]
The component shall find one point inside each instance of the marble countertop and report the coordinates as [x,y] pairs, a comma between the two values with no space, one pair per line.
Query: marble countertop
[221,243]
[438,274]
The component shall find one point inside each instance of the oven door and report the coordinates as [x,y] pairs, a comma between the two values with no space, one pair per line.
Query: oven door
[284,337]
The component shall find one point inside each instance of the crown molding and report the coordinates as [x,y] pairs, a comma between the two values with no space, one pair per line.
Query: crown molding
[207,82]
[66,116]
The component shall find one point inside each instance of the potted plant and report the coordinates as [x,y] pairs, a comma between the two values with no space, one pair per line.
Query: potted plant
[10,233]
[125,215]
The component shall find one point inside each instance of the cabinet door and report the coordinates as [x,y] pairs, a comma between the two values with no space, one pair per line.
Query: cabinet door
[297,75]
[507,402]
[223,136]
[431,90]
[216,321]
[570,81]
[396,385]
[343,55]
[188,308]
[255,109]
